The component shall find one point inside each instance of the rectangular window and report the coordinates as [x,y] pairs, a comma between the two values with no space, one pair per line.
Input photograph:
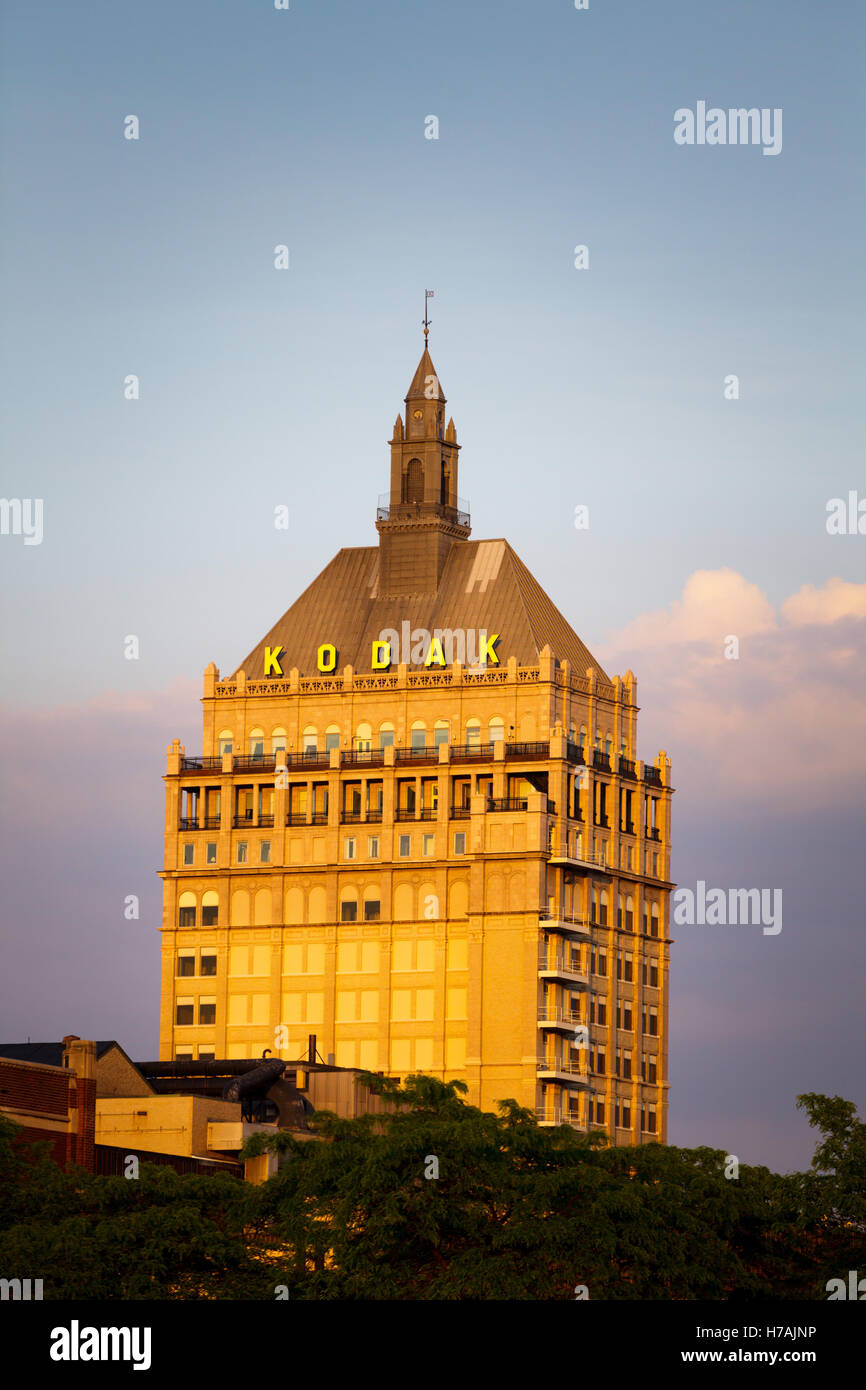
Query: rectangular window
[599,1110]
[186,965]
[205,1056]
[419,738]
[600,1061]
[186,917]
[348,849]
[348,912]
[649,1068]
[188,855]
[373,847]
[265,852]
[211,855]
[624,1121]
[242,851]
[209,915]
[405,843]
[207,1012]
[427,845]
[626,1066]
[648,1119]
[460,842]
[331,741]
[628,970]
[208,964]
[372,910]
[386,739]
[439,736]
[185,1014]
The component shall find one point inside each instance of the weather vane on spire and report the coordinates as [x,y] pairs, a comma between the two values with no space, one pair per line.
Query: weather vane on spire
[428,294]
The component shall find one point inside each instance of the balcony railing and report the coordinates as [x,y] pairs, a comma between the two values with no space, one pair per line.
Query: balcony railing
[428,813]
[212,822]
[189,823]
[256,762]
[507,803]
[401,511]
[600,760]
[359,757]
[374,817]
[427,754]
[471,752]
[575,753]
[351,817]
[308,758]
[626,767]
[404,813]
[460,813]
[553,1115]
[569,919]
[654,833]
[527,750]
[266,822]
[652,775]
[555,1013]
[245,822]
[319,818]
[569,1068]
[560,964]
[296,818]
[201,764]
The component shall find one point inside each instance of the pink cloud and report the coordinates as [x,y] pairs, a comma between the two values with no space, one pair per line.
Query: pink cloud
[784,720]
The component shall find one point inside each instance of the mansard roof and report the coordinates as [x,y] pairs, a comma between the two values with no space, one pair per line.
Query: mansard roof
[484,585]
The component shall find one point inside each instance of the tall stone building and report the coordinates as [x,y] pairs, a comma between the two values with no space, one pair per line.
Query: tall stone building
[420,829]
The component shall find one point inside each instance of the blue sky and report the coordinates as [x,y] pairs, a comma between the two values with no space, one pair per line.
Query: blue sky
[601,386]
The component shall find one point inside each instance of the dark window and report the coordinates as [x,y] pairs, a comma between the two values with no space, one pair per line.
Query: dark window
[207,1013]
[372,909]
[413,482]
[208,965]
[185,1015]
[186,917]
[348,912]
[186,965]
[209,916]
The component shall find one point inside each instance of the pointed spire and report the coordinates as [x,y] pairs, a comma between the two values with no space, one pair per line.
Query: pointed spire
[451,432]
[425,383]
[398,427]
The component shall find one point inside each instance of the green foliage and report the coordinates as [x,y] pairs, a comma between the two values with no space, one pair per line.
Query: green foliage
[435,1199]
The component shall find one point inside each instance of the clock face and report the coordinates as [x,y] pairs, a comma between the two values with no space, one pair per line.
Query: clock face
[418,414]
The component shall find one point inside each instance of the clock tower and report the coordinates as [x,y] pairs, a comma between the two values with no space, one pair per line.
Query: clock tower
[422,516]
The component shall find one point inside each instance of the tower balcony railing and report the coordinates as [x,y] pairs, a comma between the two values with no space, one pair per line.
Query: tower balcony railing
[425,754]
[653,833]
[626,767]
[600,760]
[652,775]
[407,511]
[460,813]
[507,803]
[575,754]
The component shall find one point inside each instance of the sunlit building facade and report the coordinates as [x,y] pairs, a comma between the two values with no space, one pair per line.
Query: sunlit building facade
[419,828]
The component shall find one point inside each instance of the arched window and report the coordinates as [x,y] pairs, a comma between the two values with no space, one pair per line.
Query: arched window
[413,481]
[473,732]
[225,741]
[209,908]
[278,741]
[363,738]
[386,735]
[581,738]
[496,730]
[608,746]
[332,737]
[257,743]
[418,734]
[310,742]
[186,906]
[441,732]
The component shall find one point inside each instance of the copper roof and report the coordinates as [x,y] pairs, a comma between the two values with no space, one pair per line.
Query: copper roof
[484,585]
